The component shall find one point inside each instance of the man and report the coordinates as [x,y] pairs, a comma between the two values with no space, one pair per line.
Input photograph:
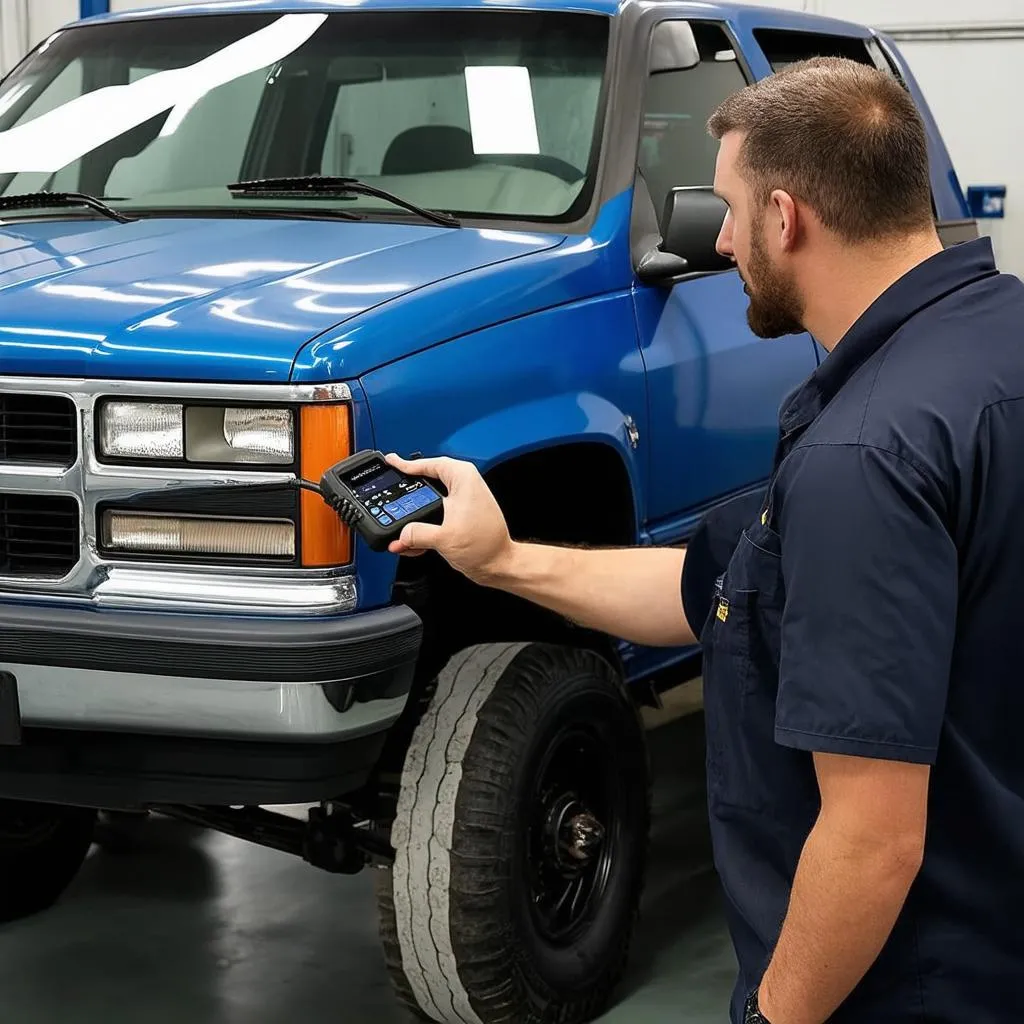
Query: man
[864,647]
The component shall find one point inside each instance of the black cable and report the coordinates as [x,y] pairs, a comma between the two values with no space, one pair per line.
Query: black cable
[308,486]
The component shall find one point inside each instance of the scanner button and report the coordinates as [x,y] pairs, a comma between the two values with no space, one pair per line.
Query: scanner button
[384,520]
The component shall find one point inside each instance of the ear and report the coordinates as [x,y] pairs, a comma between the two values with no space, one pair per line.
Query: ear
[788,219]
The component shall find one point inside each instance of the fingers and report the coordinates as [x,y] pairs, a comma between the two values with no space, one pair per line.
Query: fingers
[448,471]
[417,537]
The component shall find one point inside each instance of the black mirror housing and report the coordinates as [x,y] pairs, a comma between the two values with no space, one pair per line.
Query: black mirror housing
[691,223]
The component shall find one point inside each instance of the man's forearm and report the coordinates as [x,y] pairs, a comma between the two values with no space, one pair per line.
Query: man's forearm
[846,897]
[630,593]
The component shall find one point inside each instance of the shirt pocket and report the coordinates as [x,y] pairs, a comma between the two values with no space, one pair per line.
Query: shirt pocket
[741,668]
[745,624]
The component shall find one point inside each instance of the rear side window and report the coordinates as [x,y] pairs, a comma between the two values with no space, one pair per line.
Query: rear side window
[783,47]
[675,147]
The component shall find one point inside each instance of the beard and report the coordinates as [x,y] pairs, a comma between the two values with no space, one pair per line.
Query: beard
[776,305]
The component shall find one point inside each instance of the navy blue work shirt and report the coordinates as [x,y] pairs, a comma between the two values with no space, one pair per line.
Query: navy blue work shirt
[874,606]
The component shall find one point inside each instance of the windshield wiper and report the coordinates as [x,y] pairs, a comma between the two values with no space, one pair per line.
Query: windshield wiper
[324,185]
[52,200]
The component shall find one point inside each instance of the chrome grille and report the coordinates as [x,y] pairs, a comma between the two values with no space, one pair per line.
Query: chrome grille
[38,535]
[54,566]
[37,429]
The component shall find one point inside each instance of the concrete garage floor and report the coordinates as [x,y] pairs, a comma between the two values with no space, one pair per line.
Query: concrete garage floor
[181,926]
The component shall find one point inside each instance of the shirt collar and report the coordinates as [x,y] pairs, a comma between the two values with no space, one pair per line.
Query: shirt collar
[927,283]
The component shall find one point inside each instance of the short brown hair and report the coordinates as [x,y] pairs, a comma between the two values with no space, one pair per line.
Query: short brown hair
[845,138]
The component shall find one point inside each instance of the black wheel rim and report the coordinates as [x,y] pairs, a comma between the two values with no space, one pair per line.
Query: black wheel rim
[26,825]
[575,814]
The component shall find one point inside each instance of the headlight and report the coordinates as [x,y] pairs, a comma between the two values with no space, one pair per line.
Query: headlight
[262,436]
[199,434]
[141,430]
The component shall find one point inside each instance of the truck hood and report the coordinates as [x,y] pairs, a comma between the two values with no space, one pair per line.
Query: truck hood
[209,299]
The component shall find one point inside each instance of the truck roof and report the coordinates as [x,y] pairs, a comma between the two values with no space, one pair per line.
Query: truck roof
[736,12]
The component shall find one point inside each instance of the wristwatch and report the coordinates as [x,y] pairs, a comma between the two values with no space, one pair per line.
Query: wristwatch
[752,1012]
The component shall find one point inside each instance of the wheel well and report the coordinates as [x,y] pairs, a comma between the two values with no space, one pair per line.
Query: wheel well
[535,492]
[529,490]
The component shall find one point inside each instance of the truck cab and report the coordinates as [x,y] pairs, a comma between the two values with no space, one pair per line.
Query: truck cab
[240,242]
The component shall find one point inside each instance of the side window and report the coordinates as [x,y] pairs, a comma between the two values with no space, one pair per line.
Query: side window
[783,47]
[675,148]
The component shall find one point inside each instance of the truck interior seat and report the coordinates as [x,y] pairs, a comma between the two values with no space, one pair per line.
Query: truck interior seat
[429,147]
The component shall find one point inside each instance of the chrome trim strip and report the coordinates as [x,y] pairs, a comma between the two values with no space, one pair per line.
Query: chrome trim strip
[80,388]
[173,589]
[74,698]
[92,482]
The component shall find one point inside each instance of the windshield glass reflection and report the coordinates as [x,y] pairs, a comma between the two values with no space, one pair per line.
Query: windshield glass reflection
[485,113]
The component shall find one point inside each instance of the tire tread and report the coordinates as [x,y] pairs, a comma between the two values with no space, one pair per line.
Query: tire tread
[451,962]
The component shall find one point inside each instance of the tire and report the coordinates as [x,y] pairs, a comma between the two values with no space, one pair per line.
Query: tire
[41,849]
[525,789]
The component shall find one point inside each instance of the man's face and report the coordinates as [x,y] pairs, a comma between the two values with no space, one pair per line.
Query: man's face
[749,237]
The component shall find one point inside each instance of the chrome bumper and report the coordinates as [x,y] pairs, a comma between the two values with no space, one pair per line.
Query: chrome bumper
[290,680]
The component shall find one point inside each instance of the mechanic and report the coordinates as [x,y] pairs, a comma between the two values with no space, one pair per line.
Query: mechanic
[863,645]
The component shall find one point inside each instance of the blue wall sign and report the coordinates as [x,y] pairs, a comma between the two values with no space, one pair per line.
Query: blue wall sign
[87,8]
[987,201]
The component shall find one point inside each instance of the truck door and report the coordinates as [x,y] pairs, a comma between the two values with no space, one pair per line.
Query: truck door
[714,387]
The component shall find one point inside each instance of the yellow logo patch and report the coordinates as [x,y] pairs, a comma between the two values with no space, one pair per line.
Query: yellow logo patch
[723,609]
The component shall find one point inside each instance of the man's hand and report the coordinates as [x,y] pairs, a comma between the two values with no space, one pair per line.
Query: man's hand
[632,593]
[473,538]
[855,871]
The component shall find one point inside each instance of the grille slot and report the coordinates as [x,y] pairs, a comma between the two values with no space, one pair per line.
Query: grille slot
[37,429]
[39,535]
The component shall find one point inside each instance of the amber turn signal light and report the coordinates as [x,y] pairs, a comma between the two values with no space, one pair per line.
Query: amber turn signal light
[325,440]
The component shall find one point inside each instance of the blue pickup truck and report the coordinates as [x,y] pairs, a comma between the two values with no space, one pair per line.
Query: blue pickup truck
[242,241]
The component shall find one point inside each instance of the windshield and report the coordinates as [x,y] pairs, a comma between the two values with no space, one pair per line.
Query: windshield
[480,113]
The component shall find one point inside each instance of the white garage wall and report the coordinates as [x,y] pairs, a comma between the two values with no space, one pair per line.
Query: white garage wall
[46,16]
[24,23]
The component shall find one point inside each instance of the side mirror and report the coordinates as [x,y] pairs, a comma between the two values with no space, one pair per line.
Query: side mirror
[691,224]
[690,227]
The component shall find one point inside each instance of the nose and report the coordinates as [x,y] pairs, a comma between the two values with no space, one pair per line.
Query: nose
[723,243]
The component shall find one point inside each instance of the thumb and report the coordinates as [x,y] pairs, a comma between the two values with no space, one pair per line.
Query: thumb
[421,536]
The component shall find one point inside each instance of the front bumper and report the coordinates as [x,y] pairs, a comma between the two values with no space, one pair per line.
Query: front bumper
[308,680]
[117,707]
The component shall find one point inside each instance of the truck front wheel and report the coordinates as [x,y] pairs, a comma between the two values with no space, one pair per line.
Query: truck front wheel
[41,849]
[520,840]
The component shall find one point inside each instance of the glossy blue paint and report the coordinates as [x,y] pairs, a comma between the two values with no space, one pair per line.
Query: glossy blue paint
[562,376]
[553,275]
[214,299]
[715,391]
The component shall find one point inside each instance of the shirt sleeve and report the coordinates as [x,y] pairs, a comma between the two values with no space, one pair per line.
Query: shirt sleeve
[870,575]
